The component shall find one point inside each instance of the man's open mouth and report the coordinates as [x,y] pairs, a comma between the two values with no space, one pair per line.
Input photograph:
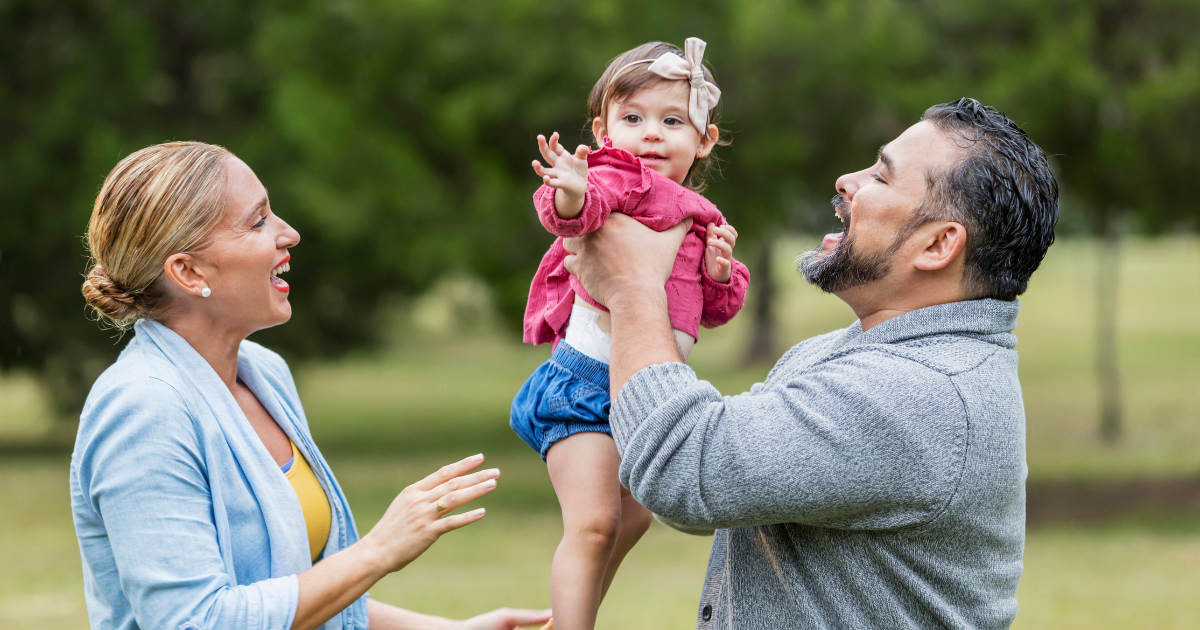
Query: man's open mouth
[841,209]
[833,238]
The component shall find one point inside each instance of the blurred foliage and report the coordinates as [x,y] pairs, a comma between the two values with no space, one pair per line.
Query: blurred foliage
[396,135]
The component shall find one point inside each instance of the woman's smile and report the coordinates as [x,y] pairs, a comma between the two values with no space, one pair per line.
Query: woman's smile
[278,283]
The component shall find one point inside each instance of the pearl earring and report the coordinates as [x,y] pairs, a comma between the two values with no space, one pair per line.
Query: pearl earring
[206,292]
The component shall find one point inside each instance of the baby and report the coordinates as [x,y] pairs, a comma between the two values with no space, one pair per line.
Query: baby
[652,115]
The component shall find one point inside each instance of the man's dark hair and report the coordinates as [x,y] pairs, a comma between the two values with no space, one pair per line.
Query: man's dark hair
[1002,192]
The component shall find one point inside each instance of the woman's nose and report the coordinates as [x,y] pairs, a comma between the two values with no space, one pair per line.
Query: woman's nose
[289,237]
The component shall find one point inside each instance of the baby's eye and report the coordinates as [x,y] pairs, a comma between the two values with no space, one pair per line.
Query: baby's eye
[632,119]
[671,120]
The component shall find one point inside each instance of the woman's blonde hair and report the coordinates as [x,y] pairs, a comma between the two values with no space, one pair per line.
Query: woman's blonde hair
[162,200]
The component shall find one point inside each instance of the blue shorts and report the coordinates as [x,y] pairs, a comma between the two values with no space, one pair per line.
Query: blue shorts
[566,395]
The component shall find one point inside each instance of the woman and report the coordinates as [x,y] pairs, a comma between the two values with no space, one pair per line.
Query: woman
[199,497]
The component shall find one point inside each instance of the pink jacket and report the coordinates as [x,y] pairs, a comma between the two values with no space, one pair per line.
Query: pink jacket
[618,181]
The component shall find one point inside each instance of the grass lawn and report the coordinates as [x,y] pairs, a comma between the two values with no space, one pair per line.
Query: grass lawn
[388,418]
[1137,575]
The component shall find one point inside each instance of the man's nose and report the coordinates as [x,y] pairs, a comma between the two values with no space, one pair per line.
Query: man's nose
[848,184]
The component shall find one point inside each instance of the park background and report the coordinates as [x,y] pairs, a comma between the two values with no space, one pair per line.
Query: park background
[396,136]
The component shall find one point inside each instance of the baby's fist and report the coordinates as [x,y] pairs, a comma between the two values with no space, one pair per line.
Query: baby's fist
[718,252]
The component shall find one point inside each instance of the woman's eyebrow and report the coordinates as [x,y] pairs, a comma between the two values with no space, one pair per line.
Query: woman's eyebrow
[254,210]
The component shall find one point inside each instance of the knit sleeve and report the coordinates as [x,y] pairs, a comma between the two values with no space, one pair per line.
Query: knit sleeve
[862,444]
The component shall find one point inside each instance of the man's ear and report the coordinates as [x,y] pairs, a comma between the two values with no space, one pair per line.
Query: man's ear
[598,130]
[181,272]
[943,243]
[708,142]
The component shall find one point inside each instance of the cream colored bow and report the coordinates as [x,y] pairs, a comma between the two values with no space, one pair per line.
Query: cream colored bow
[704,95]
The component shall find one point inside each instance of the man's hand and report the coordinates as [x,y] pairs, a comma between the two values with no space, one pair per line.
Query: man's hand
[566,172]
[624,256]
[625,265]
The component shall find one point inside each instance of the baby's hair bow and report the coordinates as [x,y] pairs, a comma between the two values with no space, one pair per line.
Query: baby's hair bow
[704,95]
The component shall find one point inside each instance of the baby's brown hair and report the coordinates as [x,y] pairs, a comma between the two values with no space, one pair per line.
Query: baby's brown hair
[621,81]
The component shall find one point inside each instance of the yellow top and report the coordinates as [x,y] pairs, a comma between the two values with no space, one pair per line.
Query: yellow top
[313,502]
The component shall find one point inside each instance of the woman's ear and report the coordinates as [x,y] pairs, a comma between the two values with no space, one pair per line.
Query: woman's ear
[708,142]
[181,272]
[598,130]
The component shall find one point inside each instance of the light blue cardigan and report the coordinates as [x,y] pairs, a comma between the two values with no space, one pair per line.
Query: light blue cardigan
[184,520]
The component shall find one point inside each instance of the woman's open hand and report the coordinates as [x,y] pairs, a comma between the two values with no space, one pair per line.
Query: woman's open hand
[414,521]
[505,619]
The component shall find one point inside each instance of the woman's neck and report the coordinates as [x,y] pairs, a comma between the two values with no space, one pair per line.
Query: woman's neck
[218,345]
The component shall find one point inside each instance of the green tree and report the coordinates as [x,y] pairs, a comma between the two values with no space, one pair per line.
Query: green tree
[396,136]
[83,83]
[1112,89]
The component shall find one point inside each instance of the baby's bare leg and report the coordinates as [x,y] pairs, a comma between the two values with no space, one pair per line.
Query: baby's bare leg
[583,469]
[635,520]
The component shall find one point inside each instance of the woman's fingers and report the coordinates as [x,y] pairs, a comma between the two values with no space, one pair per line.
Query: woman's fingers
[448,472]
[507,619]
[518,618]
[459,498]
[451,523]
[465,481]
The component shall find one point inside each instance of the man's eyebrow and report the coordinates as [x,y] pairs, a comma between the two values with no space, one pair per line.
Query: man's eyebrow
[887,160]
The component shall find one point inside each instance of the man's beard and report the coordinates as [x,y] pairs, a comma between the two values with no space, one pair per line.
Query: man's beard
[844,267]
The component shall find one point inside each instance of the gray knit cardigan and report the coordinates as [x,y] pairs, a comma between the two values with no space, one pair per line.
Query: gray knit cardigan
[874,480]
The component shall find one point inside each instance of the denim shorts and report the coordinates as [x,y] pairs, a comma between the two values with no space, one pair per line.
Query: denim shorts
[566,395]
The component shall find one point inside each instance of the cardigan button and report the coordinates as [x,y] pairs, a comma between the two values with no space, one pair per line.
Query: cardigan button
[706,612]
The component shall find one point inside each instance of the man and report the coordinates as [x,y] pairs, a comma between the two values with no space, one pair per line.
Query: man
[876,478]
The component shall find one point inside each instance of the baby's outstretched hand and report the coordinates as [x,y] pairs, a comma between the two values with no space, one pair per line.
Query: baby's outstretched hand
[565,171]
[718,252]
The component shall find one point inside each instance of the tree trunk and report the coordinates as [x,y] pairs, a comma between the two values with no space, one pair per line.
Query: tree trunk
[1107,371]
[762,341]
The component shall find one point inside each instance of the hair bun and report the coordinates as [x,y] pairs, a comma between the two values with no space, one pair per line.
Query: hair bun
[108,297]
